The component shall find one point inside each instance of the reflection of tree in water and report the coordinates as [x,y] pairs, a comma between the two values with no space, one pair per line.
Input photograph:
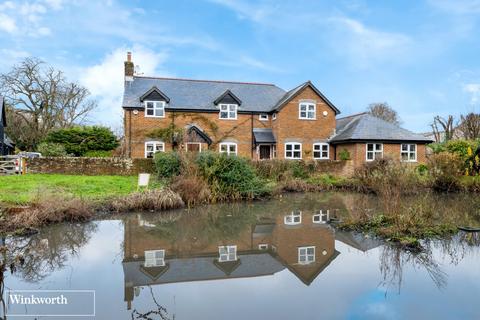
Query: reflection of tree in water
[393,259]
[48,250]
[159,313]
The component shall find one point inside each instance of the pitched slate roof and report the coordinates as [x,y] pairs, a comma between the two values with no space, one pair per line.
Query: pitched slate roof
[201,94]
[365,127]
[263,135]
[205,94]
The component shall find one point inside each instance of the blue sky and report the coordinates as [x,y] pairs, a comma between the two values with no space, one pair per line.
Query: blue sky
[422,57]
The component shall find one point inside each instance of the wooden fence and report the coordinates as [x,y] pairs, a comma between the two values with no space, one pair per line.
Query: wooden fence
[7,166]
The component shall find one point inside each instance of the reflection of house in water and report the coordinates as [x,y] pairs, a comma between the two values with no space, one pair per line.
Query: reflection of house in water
[302,242]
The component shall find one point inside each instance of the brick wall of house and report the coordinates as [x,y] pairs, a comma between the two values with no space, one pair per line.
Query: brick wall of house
[288,126]
[392,150]
[238,131]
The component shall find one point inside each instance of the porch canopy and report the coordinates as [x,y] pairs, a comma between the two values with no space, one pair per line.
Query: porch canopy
[264,136]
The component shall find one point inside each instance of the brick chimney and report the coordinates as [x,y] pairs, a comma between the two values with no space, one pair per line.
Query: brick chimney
[129,67]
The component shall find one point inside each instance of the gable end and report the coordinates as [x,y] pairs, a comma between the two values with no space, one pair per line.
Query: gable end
[228,97]
[154,94]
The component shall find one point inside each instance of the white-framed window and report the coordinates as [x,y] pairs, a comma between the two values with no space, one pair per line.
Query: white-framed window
[263,246]
[154,258]
[321,151]
[295,217]
[307,110]
[321,217]
[274,116]
[152,147]
[408,152]
[263,117]
[374,151]
[228,111]
[227,253]
[306,255]
[230,148]
[293,150]
[155,109]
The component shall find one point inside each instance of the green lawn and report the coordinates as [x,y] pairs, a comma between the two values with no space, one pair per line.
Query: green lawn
[17,189]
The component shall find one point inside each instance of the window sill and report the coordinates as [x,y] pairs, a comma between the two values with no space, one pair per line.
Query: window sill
[154,116]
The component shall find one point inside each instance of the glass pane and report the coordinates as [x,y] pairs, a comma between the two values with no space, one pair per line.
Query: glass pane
[303,107]
[149,147]
[149,105]
[404,156]
[370,147]
[296,154]
[233,148]
[223,115]
[316,154]
[325,147]
[412,147]
[412,156]
[159,112]
[223,107]
[232,107]
[149,112]
[378,146]
[316,147]
[303,114]
[297,147]
[311,115]
[310,250]
[232,115]
[404,147]
[324,154]
[223,148]
[288,147]
[311,107]
[370,155]
[301,258]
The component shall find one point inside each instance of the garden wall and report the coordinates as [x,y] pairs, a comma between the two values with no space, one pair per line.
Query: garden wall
[90,166]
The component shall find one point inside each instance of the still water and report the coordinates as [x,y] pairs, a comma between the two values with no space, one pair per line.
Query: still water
[277,259]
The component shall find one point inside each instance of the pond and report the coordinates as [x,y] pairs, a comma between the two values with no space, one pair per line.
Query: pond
[277,259]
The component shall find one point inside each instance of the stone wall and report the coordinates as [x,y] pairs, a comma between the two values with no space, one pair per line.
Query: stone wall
[90,166]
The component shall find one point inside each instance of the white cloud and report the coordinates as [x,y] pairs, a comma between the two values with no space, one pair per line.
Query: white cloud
[7,23]
[54,4]
[474,90]
[365,46]
[106,79]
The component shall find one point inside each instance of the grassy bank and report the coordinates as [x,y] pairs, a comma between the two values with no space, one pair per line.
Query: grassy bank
[27,189]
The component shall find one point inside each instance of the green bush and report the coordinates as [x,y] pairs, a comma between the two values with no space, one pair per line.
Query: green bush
[437,147]
[299,170]
[51,149]
[344,155]
[167,164]
[230,177]
[98,154]
[422,169]
[445,170]
[79,140]
[460,147]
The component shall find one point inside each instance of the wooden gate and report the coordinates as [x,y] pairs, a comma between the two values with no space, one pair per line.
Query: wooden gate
[7,166]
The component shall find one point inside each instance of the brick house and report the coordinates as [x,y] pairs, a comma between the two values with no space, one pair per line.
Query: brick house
[255,120]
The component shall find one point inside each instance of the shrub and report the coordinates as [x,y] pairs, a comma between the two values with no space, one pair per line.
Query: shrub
[51,149]
[422,169]
[344,155]
[437,147]
[81,139]
[156,199]
[445,169]
[460,147]
[230,177]
[389,179]
[192,189]
[98,154]
[167,164]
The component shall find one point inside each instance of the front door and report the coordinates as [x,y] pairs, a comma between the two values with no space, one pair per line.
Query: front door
[264,152]
[193,147]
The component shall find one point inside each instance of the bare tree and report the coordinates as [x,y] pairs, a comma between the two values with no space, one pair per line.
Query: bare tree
[441,125]
[43,99]
[470,126]
[383,111]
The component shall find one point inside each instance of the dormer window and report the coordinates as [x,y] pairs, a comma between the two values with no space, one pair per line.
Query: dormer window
[228,111]
[307,111]
[155,109]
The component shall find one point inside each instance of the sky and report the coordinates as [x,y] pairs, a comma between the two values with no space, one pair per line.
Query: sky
[422,57]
